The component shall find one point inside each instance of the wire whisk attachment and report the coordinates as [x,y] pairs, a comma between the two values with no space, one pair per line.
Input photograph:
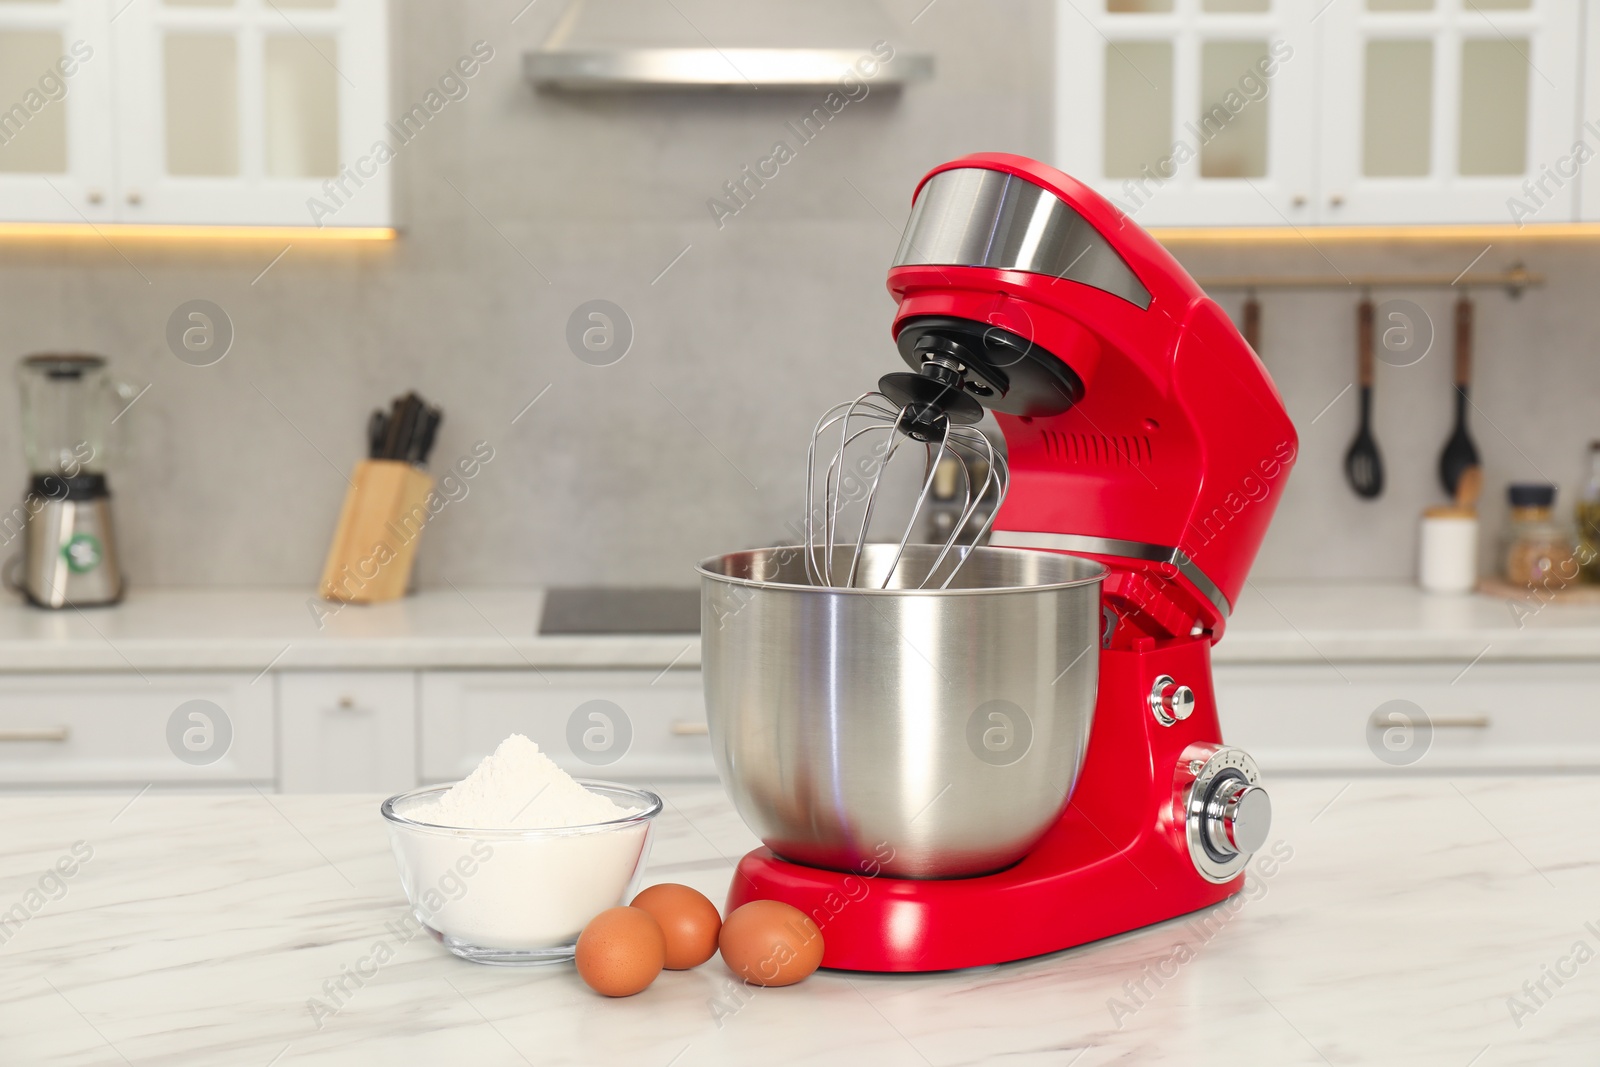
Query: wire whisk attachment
[862,437]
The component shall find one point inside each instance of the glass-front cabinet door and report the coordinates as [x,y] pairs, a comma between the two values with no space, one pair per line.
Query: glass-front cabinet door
[1189,112]
[1438,111]
[252,112]
[55,112]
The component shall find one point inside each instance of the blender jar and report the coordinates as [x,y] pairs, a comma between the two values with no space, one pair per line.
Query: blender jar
[66,413]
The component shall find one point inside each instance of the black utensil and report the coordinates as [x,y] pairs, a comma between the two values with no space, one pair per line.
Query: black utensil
[1251,326]
[391,439]
[1363,465]
[410,410]
[423,444]
[377,432]
[1459,452]
[402,424]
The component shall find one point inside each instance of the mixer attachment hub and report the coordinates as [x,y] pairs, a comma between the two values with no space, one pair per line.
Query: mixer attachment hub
[1008,371]
[930,402]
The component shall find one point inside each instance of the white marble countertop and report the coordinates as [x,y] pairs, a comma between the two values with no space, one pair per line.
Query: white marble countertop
[1410,910]
[250,629]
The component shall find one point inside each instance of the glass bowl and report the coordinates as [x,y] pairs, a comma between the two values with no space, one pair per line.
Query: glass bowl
[517,897]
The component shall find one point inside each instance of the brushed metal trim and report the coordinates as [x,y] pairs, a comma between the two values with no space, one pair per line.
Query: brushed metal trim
[975,217]
[787,554]
[1110,546]
[711,68]
[1444,722]
[37,733]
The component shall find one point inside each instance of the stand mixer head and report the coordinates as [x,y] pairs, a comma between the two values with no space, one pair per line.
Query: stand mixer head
[1140,428]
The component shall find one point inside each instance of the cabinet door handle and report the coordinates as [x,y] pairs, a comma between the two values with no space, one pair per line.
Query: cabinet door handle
[689,728]
[37,733]
[347,702]
[1443,722]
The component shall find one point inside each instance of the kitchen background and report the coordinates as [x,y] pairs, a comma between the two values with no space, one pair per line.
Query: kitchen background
[517,206]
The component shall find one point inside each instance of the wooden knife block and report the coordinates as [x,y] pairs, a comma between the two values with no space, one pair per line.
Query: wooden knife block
[375,543]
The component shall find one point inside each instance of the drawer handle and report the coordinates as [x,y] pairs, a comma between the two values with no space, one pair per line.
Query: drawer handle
[689,728]
[41,733]
[1445,722]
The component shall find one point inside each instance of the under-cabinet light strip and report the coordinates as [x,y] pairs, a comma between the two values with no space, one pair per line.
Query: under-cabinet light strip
[1313,234]
[141,231]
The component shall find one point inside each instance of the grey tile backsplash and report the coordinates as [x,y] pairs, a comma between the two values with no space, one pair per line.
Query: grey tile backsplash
[518,207]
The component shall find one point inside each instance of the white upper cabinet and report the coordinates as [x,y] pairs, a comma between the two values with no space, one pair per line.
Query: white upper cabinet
[1273,112]
[1188,111]
[1573,164]
[55,112]
[1439,110]
[219,112]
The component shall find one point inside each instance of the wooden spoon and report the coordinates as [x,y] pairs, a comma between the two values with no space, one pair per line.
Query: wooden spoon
[1469,488]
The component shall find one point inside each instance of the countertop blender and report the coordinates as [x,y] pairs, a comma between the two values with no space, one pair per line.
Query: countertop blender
[69,556]
[969,753]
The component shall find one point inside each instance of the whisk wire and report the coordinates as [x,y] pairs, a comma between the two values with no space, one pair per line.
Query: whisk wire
[997,477]
[930,472]
[866,418]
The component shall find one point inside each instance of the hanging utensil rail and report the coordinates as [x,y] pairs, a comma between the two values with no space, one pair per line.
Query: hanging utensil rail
[1513,280]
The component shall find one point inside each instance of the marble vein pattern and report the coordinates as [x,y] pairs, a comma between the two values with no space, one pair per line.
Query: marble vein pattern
[1403,920]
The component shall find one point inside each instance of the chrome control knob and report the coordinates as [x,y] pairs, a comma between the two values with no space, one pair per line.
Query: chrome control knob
[1238,818]
[1170,702]
[1225,814]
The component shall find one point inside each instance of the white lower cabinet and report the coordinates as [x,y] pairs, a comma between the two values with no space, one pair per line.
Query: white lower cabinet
[87,730]
[1436,718]
[348,731]
[386,731]
[625,725]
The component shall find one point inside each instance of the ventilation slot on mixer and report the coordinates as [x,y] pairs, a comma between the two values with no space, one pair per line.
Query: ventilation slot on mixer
[1098,449]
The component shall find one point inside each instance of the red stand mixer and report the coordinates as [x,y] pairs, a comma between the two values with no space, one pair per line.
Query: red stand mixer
[1142,433]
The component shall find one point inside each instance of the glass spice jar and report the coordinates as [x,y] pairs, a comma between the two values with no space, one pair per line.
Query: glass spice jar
[1589,519]
[1539,551]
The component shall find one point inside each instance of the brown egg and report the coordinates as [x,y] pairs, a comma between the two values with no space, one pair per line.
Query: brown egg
[767,942]
[688,920]
[621,951]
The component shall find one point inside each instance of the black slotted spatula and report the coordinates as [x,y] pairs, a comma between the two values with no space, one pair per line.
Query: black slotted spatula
[1363,464]
[1459,452]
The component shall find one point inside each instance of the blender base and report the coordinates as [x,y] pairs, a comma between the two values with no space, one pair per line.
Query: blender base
[1117,859]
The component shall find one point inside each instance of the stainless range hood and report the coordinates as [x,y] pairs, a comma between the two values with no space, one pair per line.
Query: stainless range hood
[723,44]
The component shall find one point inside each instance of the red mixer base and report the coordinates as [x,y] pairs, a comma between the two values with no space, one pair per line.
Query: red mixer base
[1048,901]
[1116,860]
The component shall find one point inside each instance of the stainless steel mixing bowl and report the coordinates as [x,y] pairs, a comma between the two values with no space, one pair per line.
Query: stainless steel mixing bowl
[930,733]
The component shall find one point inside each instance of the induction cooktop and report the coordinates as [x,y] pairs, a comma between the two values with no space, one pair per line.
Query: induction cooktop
[615,610]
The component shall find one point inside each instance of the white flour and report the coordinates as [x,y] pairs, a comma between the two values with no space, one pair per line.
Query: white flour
[504,891]
[518,788]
